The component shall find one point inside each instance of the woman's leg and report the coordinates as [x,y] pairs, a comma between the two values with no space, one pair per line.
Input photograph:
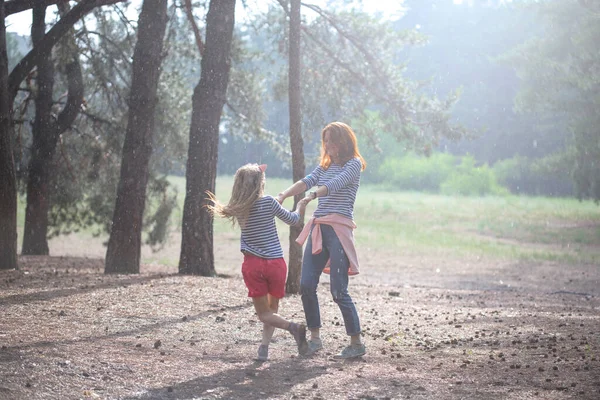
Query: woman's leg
[312,267]
[339,282]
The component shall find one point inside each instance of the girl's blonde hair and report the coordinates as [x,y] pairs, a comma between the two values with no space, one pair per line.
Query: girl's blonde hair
[345,138]
[248,186]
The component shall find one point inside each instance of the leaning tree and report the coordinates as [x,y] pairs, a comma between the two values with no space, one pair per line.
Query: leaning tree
[197,256]
[124,245]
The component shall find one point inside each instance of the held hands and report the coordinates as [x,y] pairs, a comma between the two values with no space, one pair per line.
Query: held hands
[301,208]
[302,203]
[280,198]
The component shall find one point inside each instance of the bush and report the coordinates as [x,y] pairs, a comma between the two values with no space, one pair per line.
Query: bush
[548,176]
[471,180]
[412,172]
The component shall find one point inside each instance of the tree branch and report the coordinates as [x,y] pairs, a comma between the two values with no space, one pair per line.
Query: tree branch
[16,6]
[124,57]
[50,39]
[74,81]
[190,17]
[66,158]
[95,118]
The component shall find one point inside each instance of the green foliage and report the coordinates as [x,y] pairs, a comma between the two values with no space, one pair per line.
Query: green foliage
[439,173]
[158,220]
[559,69]
[352,72]
[467,179]
[374,143]
[413,172]
[88,160]
[466,58]
[547,176]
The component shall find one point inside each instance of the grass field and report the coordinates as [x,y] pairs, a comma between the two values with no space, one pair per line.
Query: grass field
[507,227]
[535,228]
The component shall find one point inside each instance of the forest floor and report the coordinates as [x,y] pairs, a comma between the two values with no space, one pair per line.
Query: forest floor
[435,327]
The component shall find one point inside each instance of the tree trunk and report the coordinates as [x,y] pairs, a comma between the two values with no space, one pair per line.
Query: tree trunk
[8,186]
[124,245]
[209,97]
[42,148]
[46,132]
[296,142]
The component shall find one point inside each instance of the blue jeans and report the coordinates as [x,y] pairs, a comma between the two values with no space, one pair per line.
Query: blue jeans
[312,268]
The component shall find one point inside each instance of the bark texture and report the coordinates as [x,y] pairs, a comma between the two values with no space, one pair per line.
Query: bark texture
[197,256]
[296,142]
[8,186]
[124,245]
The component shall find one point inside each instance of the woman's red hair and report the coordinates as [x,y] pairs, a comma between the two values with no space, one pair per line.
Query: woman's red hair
[344,137]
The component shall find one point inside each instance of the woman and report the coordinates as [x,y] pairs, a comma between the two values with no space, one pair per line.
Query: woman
[330,247]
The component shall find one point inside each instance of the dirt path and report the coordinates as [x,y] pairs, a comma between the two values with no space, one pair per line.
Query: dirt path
[435,328]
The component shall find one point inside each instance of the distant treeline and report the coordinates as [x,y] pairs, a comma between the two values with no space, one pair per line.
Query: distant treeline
[461,175]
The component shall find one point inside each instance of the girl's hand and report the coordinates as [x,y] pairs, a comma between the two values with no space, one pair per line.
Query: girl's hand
[301,208]
[280,198]
[304,201]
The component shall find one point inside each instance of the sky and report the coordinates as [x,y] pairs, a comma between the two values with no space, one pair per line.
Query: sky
[21,22]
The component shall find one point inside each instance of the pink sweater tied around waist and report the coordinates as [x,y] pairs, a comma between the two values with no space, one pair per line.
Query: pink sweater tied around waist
[344,229]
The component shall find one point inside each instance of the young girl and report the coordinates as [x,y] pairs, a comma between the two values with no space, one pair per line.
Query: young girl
[264,269]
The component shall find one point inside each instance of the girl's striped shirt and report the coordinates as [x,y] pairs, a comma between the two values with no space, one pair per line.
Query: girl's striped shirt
[259,234]
[342,183]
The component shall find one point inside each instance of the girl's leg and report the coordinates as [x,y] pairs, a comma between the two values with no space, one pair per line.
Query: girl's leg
[268,330]
[268,317]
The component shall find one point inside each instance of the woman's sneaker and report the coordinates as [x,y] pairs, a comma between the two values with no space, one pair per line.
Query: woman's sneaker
[352,351]
[314,345]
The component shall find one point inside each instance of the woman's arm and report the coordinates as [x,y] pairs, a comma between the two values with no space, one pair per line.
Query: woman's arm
[350,171]
[321,191]
[296,188]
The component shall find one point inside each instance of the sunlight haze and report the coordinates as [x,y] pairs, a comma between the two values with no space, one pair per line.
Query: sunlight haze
[21,22]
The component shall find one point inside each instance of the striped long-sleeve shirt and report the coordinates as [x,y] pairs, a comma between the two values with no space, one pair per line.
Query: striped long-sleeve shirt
[342,183]
[259,234]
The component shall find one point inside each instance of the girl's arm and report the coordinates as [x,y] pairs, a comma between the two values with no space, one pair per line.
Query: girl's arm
[289,217]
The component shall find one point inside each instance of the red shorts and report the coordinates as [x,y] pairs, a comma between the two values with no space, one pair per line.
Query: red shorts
[264,275]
